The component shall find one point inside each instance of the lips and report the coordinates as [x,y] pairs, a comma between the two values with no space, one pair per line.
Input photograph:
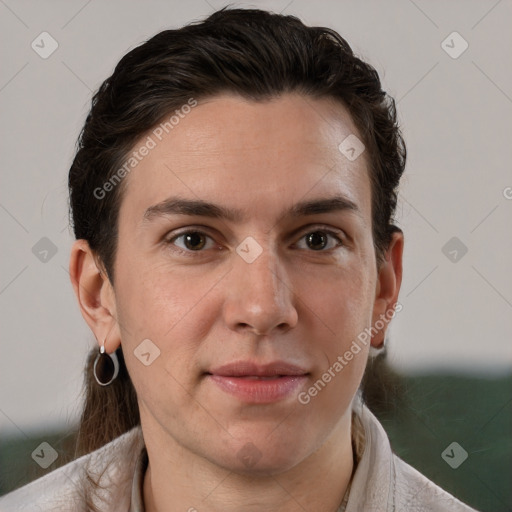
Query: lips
[250,369]
[259,384]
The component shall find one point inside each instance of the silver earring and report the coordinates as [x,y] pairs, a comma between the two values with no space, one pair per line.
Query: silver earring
[382,346]
[106,367]
[375,351]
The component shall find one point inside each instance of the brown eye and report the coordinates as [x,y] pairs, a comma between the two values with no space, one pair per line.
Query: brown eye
[194,240]
[316,240]
[191,241]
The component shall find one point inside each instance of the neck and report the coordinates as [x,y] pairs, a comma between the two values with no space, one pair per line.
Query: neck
[188,482]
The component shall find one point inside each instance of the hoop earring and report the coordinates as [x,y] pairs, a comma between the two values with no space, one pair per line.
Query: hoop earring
[106,367]
[375,351]
[382,346]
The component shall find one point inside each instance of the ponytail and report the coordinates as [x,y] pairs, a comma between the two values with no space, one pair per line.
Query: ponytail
[108,411]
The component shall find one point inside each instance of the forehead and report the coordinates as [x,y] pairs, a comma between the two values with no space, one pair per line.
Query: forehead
[259,156]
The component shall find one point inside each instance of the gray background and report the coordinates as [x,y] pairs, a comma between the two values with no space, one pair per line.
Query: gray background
[455,114]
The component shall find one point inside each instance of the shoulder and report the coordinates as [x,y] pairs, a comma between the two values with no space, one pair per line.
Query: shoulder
[383,481]
[414,491]
[66,488]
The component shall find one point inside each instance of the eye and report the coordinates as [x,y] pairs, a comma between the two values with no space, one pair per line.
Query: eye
[192,241]
[322,240]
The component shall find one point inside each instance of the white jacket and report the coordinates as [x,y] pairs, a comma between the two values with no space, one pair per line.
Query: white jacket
[382,482]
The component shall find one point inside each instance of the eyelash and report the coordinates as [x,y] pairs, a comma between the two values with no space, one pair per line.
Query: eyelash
[188,252]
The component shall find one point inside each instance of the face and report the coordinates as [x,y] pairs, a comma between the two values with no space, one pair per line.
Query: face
[245,256]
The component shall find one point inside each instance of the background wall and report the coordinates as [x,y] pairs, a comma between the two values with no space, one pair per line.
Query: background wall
[445,62]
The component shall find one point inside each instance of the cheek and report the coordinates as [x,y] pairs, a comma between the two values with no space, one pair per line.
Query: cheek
[165,308]
[172,309]
[344,312]
[342,309]
[344,353]
[157,299]
[341,302]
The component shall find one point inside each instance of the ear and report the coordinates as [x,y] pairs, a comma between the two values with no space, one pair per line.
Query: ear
[389,279]
[95,295]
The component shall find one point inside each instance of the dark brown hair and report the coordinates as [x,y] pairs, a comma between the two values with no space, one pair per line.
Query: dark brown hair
[252,53]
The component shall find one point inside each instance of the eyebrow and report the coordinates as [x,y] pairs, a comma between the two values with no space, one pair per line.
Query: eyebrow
[200,208]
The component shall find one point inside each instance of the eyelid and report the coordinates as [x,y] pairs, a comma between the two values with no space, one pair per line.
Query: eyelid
[321,227]
[203,230]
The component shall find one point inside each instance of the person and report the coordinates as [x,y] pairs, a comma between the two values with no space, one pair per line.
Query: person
[236,257]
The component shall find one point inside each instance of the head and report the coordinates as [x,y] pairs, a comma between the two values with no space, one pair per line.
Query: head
[232,198]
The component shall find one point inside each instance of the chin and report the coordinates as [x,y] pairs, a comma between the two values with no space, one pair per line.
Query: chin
[265,465]
[265,455]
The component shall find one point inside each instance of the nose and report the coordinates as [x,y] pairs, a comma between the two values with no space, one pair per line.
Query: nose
[259,298]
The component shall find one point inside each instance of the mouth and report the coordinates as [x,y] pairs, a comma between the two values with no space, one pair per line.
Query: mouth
[253,383]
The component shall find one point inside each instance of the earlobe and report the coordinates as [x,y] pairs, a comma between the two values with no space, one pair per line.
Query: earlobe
[95,295]
[389,280]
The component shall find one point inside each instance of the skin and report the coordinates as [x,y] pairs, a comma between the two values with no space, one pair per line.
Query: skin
[209,307]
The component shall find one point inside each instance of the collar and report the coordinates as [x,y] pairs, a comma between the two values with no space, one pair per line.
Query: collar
[137,503]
